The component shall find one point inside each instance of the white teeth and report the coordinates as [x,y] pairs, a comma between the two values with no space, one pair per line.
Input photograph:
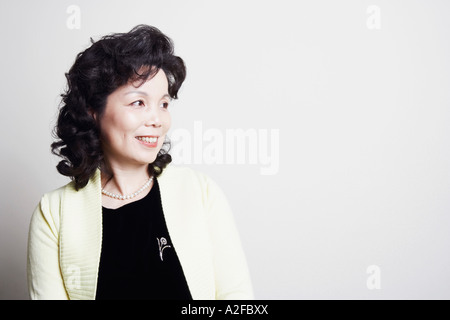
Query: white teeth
[148,139]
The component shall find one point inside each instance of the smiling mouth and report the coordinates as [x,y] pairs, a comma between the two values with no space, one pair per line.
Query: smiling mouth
[149,141]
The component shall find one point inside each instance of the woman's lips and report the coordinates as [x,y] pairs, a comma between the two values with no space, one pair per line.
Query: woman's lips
[148,141]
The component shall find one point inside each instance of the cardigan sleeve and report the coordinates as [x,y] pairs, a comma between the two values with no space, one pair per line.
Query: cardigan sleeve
[44,275]
[230,267]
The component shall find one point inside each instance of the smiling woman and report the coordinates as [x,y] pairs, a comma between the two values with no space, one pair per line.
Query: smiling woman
[115,66]
[128,226]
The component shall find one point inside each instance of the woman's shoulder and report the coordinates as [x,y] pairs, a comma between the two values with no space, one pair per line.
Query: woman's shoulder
[47,211]
[54,199]
[55,195]
[69,189]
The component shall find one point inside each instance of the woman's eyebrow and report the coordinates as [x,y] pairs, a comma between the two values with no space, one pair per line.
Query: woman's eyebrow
[143,93]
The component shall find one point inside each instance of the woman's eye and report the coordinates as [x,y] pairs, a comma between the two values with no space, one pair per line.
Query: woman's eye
[138,103]
[165,105]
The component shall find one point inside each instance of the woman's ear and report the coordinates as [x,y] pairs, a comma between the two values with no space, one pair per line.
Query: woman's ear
[93,114]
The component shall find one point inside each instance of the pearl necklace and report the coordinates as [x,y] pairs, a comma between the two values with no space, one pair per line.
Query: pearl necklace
[128,196]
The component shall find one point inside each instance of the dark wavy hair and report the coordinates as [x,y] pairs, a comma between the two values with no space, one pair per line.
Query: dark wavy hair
[106,65]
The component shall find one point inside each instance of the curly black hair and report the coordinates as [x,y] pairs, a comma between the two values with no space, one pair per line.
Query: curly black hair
[106,65]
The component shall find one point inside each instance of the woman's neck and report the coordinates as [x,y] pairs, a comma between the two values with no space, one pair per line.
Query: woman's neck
[123,181]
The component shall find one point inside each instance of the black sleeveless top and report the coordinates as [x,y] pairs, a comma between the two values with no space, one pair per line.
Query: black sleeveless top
[138,259]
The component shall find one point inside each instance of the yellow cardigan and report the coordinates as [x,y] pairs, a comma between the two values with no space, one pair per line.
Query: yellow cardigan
[65,239]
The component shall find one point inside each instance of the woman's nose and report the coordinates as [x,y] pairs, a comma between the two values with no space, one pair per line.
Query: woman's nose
[152,117]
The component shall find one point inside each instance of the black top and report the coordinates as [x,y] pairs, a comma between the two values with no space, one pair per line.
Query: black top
[138,259]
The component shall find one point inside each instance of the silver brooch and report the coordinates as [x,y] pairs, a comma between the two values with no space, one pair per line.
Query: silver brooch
[162,244]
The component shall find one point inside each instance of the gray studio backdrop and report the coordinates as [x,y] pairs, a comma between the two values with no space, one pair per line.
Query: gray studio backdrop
[324,122]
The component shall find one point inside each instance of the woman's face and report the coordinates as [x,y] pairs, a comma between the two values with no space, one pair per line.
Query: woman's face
[135,122]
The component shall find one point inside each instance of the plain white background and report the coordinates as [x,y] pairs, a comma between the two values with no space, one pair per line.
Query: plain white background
[362,114]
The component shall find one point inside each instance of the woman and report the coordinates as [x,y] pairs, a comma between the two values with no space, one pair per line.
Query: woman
[129,225]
